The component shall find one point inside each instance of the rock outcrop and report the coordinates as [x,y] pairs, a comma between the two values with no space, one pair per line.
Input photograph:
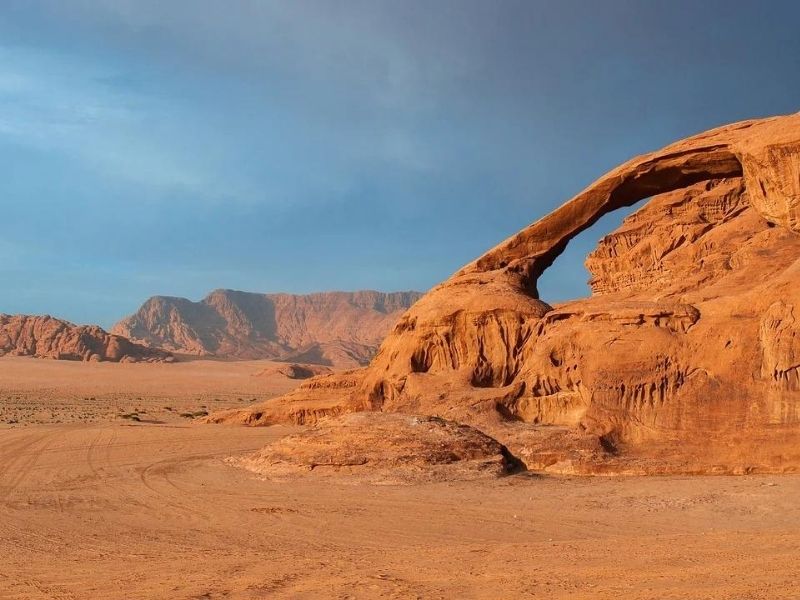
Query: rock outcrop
[685,358]
[48,337]
[294,371]
[384,448]
[341,329]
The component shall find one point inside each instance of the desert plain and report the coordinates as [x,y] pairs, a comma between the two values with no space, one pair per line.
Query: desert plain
[97,504]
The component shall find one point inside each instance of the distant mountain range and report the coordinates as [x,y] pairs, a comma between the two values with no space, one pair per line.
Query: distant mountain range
[48,337]
[341,329]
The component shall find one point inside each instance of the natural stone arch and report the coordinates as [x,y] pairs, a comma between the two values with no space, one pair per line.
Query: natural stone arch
[531,251]
[766,154]
[693,368]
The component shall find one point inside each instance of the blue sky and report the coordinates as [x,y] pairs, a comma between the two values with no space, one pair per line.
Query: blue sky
[177,146]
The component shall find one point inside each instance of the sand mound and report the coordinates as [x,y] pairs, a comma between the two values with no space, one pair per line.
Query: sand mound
[388,448]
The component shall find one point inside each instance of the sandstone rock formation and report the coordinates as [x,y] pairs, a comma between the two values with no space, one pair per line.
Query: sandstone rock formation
[685,358]
[48,337]
[340,329]
[294,370]
[385,448]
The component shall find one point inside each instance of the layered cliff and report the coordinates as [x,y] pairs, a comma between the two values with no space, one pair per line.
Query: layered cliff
[48,337]
[340,329]
[683,359]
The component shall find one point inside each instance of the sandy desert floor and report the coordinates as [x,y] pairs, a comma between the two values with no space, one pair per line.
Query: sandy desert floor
[117,508]
[40,391]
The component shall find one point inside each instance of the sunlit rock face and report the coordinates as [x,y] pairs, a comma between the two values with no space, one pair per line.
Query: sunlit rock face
[48,337]
[685,358]
[338,329]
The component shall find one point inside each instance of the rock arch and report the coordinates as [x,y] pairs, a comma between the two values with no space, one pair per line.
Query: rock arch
[535,248]
[765,153]
[682,369]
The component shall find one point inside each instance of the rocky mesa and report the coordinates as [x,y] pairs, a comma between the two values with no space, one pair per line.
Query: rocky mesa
[341,329]
[48,337]
[685,358]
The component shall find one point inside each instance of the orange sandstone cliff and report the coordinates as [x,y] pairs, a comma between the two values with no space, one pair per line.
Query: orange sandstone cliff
[48,337]
[685,358]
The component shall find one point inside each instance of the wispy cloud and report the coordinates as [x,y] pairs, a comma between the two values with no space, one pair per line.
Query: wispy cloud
[78,109]
[366,79]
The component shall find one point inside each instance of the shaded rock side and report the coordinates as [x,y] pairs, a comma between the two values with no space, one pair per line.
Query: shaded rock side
[683,359]
[341,329]
[48,337]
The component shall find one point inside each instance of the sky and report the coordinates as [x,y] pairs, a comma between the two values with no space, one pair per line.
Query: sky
[172,147]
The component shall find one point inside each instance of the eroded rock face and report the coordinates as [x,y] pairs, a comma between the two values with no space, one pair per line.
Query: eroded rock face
[677,242]
[780,341]
[683,359]
[47,337]
[341,329]
[384,448]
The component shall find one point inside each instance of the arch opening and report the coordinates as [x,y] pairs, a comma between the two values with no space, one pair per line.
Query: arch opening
[664,244]
[535,248]
[651,178]
[568,277]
